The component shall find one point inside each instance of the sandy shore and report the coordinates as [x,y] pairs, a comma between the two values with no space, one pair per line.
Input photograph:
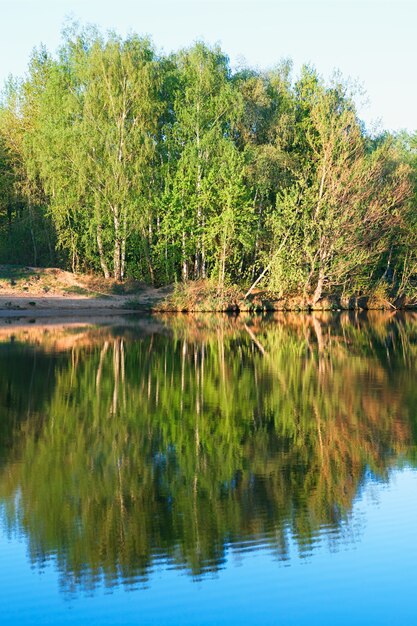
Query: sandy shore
[32,292]
[30,306]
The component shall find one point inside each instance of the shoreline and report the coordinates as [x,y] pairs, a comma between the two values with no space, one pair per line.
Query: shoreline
[29,307]
[30,292]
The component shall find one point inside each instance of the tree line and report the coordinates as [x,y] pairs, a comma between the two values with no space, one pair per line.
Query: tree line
[115,158]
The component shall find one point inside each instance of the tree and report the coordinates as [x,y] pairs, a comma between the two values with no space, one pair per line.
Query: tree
[207,205]
[331,226]
[162,168]
[95,143]
[30,236]
[265,133]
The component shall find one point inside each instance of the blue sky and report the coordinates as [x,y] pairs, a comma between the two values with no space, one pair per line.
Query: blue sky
[373,41]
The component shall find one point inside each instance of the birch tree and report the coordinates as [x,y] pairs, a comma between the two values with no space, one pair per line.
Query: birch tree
[207,190]
[95,143]
[347,196]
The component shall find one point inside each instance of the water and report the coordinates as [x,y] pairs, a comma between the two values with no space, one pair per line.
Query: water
[209,470]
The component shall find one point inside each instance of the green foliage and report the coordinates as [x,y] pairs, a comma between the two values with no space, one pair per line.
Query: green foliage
[26,233]
[209,215]
[174,168]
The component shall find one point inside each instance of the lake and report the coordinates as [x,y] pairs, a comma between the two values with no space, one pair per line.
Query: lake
[209,470]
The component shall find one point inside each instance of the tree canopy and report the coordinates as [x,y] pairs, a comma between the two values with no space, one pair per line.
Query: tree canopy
[117,159]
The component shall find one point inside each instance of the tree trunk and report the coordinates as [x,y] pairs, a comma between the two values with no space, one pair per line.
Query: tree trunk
[117,273]
[197,261]
[200,253]
[184,259]
[123,258]
[146,245]
[252,287]
[117,247]
[32,234]
[103,263]
[319,288]
[123,247]
[203,250]
[222,269]
[150,267]
[258,230]
[51,253]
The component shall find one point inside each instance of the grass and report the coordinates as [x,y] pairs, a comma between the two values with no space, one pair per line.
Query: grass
[201,295]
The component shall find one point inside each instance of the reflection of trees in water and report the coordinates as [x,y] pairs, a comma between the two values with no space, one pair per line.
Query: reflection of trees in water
[128,448]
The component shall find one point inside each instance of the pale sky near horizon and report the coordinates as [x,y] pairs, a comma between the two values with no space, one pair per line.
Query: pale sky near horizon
[373,41]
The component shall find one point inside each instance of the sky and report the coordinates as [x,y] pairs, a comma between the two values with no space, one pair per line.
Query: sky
[370,41]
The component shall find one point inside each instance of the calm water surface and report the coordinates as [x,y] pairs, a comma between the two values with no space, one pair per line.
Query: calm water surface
[209,470]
